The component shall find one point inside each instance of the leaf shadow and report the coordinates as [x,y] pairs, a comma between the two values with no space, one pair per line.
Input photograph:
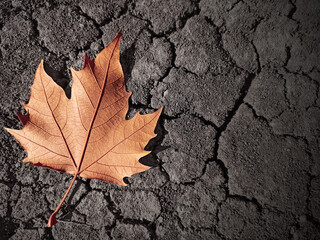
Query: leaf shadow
[127,60]
[56,75]
[155,145]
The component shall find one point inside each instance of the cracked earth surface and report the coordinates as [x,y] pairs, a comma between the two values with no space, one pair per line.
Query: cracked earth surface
[238,149]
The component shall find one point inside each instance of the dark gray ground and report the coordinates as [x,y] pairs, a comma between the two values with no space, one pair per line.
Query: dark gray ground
[238,151]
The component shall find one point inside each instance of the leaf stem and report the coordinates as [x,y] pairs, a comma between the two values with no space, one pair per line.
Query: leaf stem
[52,220]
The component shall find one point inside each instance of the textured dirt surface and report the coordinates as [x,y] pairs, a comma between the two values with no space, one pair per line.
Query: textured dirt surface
[238,151]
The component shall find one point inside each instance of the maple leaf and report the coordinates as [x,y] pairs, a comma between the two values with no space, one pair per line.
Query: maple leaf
[86,135]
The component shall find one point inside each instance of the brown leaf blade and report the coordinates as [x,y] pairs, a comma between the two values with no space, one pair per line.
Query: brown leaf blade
[42,135]
[88,134]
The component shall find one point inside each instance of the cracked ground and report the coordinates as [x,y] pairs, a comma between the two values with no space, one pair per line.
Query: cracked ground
[238,149]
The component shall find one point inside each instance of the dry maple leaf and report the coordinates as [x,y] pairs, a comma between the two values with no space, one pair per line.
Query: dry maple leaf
[88,134]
